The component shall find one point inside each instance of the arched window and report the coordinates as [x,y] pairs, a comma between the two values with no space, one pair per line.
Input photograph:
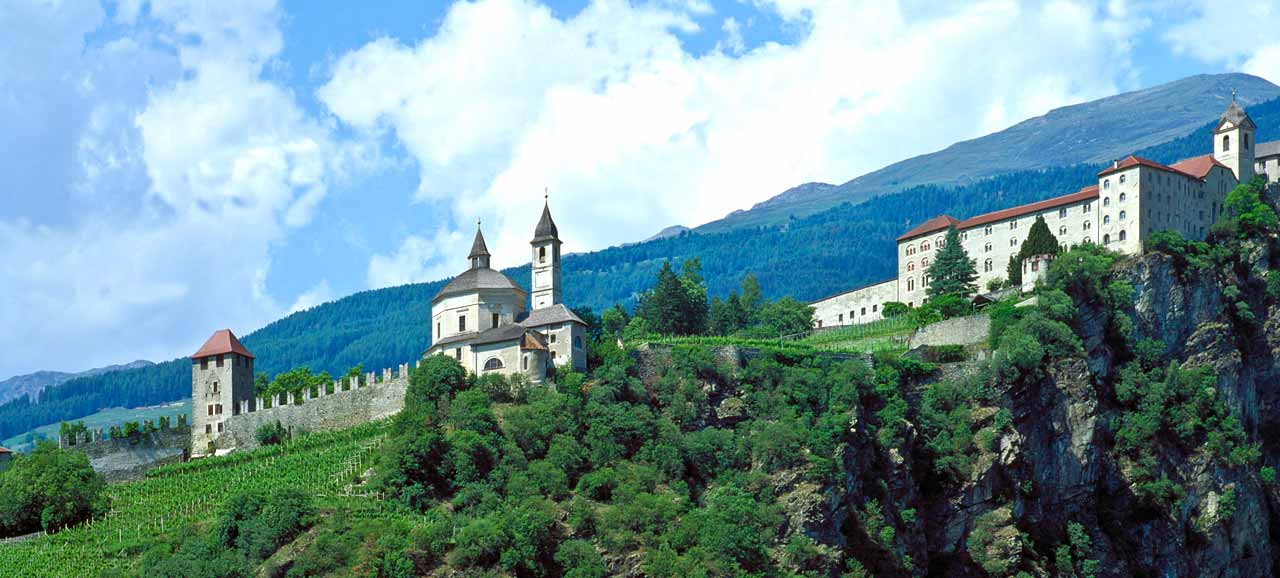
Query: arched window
[924,263]
[1062,230]
[988,230]
[1122,235]
[1106,201]
[986,266]
[1088,225]
[1122,197]
[1226,142]
[911,266]
[1122,215]
[986,248]
[911,284]
[492,363]
[1106,239]
[940,241]
[1106,219]
[1106,184]
[924,246]
[542,254]
[1122,179]
[1013,242]
[911,249]
[524,362]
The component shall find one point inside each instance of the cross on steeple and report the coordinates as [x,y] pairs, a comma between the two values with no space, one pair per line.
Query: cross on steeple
[1233,95]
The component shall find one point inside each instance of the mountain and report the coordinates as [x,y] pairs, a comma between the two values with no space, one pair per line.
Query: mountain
[806,257]
[1088,133]
[671,231]
[32,383]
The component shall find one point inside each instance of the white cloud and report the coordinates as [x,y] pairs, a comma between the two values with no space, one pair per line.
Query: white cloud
[629,129]
[317,295]
[418,259]
[220,162]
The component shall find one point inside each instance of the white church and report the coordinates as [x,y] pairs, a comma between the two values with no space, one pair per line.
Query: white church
[1132,199]
[480,317]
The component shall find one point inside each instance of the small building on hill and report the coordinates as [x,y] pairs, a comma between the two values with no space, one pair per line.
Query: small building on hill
[221,378]
[1132,199]
[6,457]
[480,317]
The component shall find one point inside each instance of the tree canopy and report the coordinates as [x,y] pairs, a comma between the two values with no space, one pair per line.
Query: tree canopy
[953,272]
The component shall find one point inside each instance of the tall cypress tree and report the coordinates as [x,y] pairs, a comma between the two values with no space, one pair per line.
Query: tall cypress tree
[1040,241]
[953,273]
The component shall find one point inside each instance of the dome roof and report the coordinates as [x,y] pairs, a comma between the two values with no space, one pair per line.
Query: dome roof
[476,279]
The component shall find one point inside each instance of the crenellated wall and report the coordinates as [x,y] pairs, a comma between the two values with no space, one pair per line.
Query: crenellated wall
[127,458]
[376,396]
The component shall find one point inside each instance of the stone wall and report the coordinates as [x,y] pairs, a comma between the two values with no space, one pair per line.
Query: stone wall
[328,412]
[971,330]
[122,459]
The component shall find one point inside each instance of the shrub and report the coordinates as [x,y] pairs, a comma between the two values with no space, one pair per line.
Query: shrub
[49,489]
[270,434]
[894,309]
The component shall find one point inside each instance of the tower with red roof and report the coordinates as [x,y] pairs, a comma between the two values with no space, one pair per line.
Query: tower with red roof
[221,378]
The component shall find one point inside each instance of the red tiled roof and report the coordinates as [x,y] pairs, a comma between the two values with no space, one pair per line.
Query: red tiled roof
[1198,167]
[941,223]
[1132,161]
[934,224]
[4,450]
[1090,192]
[531,340]
[222,341]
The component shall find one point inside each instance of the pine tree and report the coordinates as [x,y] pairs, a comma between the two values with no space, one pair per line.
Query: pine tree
[953,273]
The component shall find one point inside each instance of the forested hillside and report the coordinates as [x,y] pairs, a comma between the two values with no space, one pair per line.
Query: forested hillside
[806,258]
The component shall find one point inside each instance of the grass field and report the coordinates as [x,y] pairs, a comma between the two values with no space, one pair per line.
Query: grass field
[173,497]
[103,419]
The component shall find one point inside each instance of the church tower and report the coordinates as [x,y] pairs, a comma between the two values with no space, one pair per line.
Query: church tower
[479,255]
[546,261]
[1233,141]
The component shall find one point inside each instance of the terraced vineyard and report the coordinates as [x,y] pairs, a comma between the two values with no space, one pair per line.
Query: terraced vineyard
[173,496]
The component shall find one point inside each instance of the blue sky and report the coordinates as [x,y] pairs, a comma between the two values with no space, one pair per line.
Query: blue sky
[175,167]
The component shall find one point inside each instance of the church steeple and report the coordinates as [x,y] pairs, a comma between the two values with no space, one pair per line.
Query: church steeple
[1233,141]
[546,259]
[479,252]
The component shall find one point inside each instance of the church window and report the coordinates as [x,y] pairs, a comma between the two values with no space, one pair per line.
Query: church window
[1106,239]
[1106,201]
[1122,235]
[215,387]
[492,363]
[924,262]
[986,266]
[1106,184]
[462,323]
[1122,215]
[1106,219]
[1122,197]
[1062,213]
[1062,230]
[524,363]
[986,248]
[1226,142]
[496,317]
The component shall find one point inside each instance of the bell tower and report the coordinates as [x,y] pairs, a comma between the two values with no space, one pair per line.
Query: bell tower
[1233,141]
[546,261]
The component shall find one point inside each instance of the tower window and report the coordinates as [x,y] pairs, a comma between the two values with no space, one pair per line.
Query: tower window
[462,323]
[495,319]
[1244,144]
[524,363]
[911,266]
[204,363]
[924,246]
[1226,142]
[542,254]
[220,360]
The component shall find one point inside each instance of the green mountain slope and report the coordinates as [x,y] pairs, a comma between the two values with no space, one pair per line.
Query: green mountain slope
[807,258]
[1092,132]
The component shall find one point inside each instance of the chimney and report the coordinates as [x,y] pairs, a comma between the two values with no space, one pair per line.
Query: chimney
[1115,163]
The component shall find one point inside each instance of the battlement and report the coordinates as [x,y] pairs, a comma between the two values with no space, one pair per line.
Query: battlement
[129,430]
[125,452]
[343,404]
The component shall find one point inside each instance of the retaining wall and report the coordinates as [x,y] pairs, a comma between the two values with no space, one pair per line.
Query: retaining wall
[971,330]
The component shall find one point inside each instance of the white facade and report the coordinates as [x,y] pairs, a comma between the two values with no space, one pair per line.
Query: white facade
[476,311]
[1132,199]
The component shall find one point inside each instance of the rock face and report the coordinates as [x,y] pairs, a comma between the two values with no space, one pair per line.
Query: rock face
[1056,466]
